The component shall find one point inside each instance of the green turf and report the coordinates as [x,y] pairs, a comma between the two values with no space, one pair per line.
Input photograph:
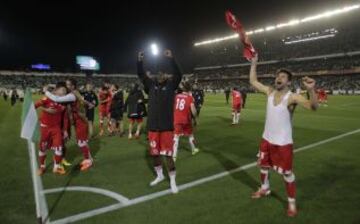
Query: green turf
[327,175]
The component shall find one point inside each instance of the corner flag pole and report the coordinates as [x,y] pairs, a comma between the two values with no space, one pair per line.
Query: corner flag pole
[30,132]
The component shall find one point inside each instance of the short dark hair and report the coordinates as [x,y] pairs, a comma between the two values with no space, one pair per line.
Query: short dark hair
[186,86]
[116,86]
[286,71]
[73,82]
[60,84]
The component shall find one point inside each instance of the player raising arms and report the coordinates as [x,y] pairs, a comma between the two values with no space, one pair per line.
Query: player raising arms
[276,148]
[50,130]
[184,113]
[237,105]
[160,122]
[79,119]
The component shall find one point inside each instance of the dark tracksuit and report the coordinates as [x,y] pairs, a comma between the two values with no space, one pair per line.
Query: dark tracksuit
[199,99]
[117,106]
[135,109]
[161,98]
[92,98]
[227,95]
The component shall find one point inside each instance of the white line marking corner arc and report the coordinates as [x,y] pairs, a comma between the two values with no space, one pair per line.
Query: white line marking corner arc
[120,198]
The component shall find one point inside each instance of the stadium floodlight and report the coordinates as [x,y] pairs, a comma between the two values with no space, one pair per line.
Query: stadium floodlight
[154,49]
[293,22]
[309,39]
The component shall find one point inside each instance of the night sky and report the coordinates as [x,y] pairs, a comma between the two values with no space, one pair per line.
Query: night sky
[54,32]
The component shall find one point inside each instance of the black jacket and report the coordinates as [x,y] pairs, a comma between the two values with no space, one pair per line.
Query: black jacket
[132,105]
[198,97]
[117,102]
[91,97]
[161,98]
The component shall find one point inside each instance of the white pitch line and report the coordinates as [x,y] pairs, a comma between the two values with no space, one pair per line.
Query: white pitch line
[152,196]
[121,199]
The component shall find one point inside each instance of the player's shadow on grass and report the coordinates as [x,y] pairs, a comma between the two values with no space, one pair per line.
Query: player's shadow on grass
[242,176]
[74,172]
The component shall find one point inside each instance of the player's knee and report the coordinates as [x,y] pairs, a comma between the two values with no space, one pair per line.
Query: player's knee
[289,177]
[57,150]
[42,153]
[264,170]
[82,143]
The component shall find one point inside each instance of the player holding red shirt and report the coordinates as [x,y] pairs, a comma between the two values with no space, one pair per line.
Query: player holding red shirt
[104,102]
[50,130]
[79,119]
[184,113]
[276,148]
[237,105]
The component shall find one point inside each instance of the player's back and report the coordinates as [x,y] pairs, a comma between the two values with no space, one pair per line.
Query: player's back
[182,108]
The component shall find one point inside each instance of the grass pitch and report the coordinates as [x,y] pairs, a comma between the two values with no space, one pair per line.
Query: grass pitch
[327,175]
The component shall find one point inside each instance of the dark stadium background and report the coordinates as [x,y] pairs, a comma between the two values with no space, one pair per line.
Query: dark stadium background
[54,32]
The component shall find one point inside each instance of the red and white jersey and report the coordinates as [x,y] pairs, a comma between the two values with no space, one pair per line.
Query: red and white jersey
[278,125]
[108,105]
[182,108]
[103,95]
[236,97]
[47,119]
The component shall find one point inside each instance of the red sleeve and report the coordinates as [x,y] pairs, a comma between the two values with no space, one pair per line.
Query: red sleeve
[40,103]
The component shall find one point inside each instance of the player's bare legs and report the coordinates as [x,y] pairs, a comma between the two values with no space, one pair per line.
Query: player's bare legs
[91,129]
[194,150]
[113,128]
[101,126]
[138,130]
[176,146]
[121,128]
[130,129]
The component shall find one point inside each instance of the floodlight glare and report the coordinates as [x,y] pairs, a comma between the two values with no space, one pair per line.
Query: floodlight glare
[293,22]
[154,49]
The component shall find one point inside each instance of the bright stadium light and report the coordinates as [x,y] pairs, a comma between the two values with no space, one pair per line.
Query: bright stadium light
[293,22]
[154,49]
[309,39]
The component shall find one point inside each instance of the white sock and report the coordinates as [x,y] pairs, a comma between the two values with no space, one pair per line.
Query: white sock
[159,171]
[234,121]
[192,142]
[172,175]
[266,184]
[176,145]
[237,117]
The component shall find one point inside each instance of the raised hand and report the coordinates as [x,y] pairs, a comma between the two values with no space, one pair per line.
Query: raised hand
[168,53]
[141,56]
[309,83]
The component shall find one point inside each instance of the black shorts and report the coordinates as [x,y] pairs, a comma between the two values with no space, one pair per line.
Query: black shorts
[90,114]
[116,115]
